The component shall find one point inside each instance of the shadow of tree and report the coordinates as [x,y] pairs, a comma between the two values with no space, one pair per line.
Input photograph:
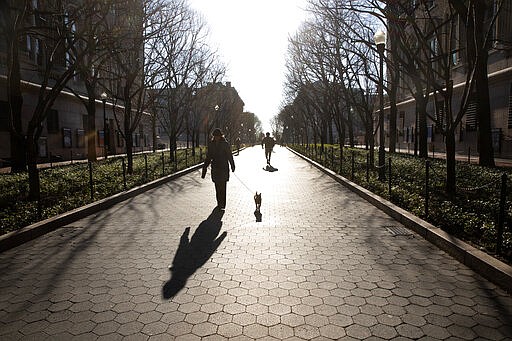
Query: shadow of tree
[194,252]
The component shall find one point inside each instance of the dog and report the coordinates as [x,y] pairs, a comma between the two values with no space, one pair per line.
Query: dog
[257,201]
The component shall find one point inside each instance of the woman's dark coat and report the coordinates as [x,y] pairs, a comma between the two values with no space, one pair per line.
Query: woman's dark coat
[220,157]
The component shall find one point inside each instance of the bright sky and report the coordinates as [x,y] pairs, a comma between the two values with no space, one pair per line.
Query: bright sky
[252,39]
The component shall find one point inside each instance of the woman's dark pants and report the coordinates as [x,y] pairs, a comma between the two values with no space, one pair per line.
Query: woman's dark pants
[220,191]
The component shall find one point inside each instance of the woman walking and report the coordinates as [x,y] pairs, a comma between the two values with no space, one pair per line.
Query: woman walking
[220,157]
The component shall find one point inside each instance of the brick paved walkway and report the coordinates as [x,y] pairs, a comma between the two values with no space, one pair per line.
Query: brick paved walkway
[323,264]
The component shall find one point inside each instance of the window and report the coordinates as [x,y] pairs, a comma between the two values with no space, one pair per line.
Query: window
[471,119]
[34,49]
[4,116]
[510,107]
[496,139]
[434,53]
[504,24]
[401,114]
[101,138]
[80,138]
[455,40]
[52,121]
[34,46]
[70,27]
[67,140]
[439,116]
[42,147]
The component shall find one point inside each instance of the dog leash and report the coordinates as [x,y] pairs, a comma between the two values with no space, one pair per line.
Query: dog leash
[236,176]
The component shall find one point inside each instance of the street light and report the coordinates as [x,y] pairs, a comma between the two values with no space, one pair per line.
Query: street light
[216,114]
[380,41]
[104,100]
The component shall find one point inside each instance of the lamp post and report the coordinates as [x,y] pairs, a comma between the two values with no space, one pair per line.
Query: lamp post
[105,134]
[216,114]
[380,41]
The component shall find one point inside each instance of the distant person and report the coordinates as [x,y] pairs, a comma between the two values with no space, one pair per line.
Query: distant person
[220,157]
[237,142]
[268,143]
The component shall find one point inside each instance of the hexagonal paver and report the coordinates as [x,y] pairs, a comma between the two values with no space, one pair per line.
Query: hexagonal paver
[306,332]
[280,332]
[230,330]
[130,328]
[255,331]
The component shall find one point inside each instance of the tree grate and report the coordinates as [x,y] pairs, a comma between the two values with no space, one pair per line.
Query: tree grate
[398,231]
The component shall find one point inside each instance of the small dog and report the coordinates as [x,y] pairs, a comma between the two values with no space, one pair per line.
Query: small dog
[257,201]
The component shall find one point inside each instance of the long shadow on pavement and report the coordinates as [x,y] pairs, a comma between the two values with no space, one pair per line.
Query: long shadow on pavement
[194,253]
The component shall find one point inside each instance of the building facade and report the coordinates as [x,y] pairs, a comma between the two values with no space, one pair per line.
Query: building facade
[64,123]
[445,35]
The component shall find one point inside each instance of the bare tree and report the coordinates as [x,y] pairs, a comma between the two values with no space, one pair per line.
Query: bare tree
[94,30]
[137,24]
[447,119]
[51,37]
[479,18]
[183,63]
[333,53]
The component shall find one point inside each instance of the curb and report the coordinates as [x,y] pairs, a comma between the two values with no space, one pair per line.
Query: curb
[27,233]
[489,267]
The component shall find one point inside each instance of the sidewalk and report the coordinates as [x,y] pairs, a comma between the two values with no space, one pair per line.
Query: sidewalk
[323,264]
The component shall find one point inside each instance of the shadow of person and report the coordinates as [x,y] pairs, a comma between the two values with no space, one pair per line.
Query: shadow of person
[270,168]
[194,252]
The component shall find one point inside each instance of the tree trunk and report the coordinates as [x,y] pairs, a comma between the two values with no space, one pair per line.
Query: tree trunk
[450,162]
[91,129]
[477,52]
[371,141]
[33,172]
[342,144]
[193,140]
[393,86]
[414,133]
[128,135]
[331,133]
[392,123]
[350,124]
[153,130]
[129,153]
[421,102]
[173,145]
